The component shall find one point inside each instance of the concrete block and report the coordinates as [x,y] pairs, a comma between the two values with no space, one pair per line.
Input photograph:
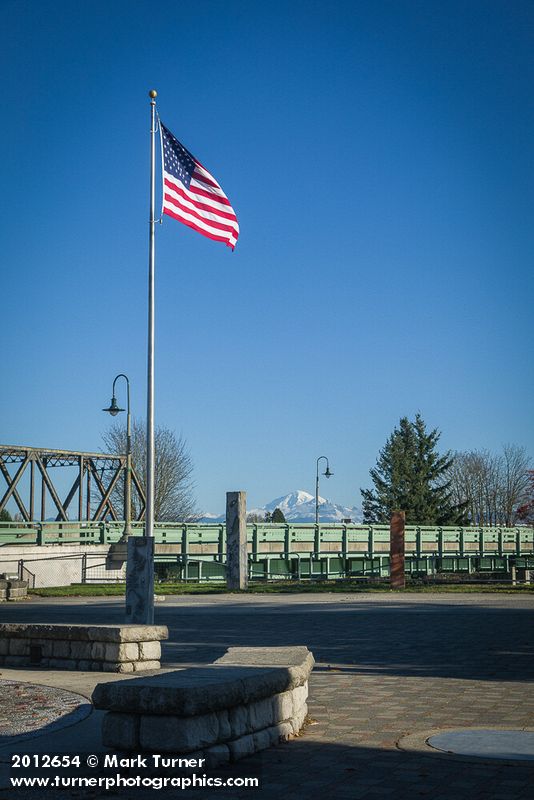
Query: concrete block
[217,755]
[16,661]
[178,734]
[281,732]
[80,650]
[293,656]
[282,706]
[274,735]
[19,647]
[116,666]
[98,651]
[144,666]
[149,651]
[84,665]
[19,585]
[62,663]
[300,695]
[260,714]
[110,666]
[225,730]
[17,593]
[121,666]
[47,648]
[127,633]
[60,649]
[121,731]
[4,647]
[127,651]
[176,692]
[262,739]
[242,747]
[297,721]
[85,633]
[238,718]
[17,590]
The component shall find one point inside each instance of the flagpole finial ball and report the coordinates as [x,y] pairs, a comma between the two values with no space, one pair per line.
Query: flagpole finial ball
[152,93]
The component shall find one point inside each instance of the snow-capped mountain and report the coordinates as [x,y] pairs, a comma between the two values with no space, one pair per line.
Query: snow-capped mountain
[299,506]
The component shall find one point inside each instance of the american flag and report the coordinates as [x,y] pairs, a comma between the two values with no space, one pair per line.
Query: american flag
[193,196]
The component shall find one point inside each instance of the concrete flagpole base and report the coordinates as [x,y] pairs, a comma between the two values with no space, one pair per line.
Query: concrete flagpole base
[140,581]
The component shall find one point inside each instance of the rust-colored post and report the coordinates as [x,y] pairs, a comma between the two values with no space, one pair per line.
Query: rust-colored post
[236,540]
[396,550]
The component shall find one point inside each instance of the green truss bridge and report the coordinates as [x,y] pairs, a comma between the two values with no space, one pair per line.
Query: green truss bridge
[193,551]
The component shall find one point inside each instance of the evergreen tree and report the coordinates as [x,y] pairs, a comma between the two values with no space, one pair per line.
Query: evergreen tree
[278,516]
[410,476]
[5,516]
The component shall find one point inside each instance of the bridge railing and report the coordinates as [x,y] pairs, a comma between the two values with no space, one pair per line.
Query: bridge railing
[208,540]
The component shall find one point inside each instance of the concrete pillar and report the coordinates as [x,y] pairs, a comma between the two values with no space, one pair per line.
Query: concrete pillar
[140,581]
[236,540]
[396,550]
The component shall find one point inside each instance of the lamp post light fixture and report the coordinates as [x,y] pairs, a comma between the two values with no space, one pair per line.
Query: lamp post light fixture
[327,474]
[114,410]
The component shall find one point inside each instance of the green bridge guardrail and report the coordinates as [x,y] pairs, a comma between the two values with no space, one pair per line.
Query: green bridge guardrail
[208,540]
[197,552]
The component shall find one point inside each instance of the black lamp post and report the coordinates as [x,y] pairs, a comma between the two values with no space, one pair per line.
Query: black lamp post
[114,410]
[327,474]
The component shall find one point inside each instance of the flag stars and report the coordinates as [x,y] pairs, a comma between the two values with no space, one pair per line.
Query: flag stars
[177,160]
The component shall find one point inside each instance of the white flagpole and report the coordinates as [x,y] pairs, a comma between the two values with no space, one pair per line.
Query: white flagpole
[149,513]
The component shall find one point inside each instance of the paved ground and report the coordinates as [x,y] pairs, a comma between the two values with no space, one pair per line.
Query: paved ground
[27,708]
[389,667]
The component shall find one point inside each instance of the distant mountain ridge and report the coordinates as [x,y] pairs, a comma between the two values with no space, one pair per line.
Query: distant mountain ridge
[299,506]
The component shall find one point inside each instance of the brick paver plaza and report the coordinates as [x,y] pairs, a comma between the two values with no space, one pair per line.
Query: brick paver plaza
[389,666]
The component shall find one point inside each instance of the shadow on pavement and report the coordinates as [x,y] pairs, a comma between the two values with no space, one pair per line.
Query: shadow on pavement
[461,639]
[306,769]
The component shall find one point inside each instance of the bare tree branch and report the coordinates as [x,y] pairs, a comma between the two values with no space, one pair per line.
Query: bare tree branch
[174,487]
[495,487]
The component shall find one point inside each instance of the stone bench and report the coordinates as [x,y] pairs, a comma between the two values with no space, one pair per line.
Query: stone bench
[247,700]
[95,648]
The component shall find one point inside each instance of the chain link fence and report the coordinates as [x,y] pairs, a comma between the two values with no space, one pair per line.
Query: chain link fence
[64,570]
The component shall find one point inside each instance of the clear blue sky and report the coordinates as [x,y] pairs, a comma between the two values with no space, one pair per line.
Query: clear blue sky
[379,156]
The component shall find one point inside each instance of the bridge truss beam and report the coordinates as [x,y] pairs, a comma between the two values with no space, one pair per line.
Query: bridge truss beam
[103,470]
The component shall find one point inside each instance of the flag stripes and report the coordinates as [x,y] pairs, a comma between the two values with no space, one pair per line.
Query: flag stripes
[192,195]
